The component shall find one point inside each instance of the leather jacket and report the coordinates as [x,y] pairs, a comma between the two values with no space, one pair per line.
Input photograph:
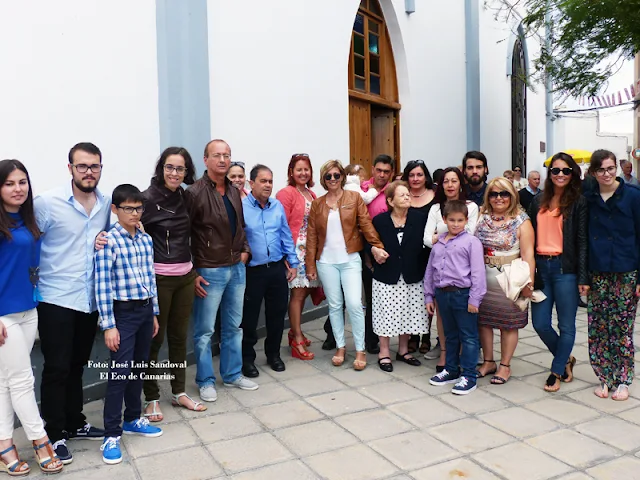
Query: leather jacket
[574,237]
[165,218]
[211,242]
[354,218]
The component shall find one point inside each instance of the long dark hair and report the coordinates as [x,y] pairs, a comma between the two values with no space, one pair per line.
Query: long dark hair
[428,181]
[440,196]
[26,209]
[571,192]
[190,174]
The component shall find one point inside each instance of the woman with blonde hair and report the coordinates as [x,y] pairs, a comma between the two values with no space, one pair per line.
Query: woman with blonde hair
[506,234]
[333,245]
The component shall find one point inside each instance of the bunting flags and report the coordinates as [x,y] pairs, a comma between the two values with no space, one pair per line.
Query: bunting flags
[611,99]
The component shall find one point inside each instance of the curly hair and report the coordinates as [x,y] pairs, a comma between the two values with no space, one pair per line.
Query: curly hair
[571,192]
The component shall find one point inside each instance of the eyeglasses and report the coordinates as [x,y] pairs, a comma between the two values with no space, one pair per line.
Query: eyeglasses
[237,164]
[82,168]
[610,170]
[502,194]
[300,155]
[226,156]
[336,176]
[565,171]
[170,168]
[130,210]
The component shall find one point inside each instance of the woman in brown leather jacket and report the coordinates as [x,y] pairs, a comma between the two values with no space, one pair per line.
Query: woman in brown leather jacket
[333,242]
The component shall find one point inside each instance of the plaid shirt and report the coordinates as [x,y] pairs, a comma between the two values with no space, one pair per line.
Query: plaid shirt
[124,271]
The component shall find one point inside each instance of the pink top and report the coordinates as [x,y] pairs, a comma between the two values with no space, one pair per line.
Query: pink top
[294,203]
[379,204]
[173,269]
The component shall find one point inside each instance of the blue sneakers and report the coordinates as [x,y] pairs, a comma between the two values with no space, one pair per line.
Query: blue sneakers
[443,378]
[141,427]
[464,386]
[111,453]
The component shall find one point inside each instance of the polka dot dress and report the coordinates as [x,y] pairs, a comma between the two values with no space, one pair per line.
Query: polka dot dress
[399,309]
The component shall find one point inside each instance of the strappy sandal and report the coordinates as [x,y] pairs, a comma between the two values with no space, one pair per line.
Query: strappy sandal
[154,412]
[337,359]
[413,345]
[552,384]
[426,344]
[490,372]
[568,370]
[303,354]
[14,468]
[602,391]
[621,394]
[359,364]
[498,380]
[197,406]
[305,341]
[51,463]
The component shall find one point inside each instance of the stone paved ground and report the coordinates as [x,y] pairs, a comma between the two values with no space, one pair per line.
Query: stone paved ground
[319,421]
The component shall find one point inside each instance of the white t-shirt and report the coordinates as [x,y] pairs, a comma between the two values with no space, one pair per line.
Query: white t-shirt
[435,222]
[335,248]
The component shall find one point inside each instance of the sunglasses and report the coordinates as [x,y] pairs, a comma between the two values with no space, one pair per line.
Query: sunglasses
[517,170]
[565,171]
[502,194]
[237,164]
[305,155]
[336,176]
[416,162]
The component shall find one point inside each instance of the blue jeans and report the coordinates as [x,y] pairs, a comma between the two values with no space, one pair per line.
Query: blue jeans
[561,289]
[335,279]
[460,330]
[225,292]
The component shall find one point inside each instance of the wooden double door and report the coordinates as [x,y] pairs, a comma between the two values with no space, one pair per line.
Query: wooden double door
[373,130]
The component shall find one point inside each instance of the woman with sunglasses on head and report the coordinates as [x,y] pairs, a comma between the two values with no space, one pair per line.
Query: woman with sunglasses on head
[333,245]
[296,198]
[451,188]
[506,235]
[20,258]
[165,218]
[238,178]
[559,219]
[422,194]
[518,181]
[614,267]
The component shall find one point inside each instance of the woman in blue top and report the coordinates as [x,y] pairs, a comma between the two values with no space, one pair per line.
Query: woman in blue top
[614,263]
[19,257]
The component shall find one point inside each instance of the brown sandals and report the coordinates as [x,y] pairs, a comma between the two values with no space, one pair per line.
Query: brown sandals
[14,468]
[51,463]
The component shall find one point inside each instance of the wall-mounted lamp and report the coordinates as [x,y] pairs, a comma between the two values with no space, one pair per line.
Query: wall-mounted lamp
[410,6]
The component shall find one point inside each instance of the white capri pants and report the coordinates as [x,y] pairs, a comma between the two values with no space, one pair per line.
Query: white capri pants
[16,376]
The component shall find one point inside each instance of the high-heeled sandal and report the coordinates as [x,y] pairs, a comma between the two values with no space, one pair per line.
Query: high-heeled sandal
[602,391]
[337,359]
[302,355]
[14,468]
[51,463]
[568,370]
[359,364]
[305,341]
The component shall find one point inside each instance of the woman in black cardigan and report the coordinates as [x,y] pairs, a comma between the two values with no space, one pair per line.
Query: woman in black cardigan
[398,292]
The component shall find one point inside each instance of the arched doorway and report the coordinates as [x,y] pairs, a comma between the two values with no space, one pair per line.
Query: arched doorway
[519,106]
[373,89]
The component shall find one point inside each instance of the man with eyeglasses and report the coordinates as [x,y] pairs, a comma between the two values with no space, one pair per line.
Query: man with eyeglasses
[475,170]
[70,217]
[220,252]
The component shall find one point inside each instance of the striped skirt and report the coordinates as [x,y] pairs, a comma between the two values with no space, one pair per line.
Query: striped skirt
[496,310]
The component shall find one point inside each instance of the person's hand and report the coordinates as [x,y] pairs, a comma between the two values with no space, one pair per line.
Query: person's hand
[156,326]
[637,290]
[101,240]
[472,308]
[379,255]
[200,291]
[244,257]
[526,292]
[112,339]
[3,333]
[291,273]
[584,290]
[140,227]
[312,276]
[434,238]
[431,308]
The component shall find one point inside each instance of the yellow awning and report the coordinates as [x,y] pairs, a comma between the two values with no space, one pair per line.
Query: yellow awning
[580,156]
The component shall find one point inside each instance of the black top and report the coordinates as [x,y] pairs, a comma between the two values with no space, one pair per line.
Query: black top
[425,208]
[231,213]
[408,257]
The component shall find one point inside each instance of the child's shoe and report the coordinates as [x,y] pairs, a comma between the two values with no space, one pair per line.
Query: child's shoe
[443,378]
[141,427]
[111,453]
[464,386]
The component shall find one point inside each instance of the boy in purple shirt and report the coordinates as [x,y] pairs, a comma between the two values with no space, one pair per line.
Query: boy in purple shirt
[456,279]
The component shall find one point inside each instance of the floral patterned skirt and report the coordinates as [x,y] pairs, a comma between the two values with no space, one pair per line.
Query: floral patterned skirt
[612,313]
[301,280]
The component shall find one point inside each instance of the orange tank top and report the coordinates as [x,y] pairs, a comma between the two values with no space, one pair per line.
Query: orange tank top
[549,232]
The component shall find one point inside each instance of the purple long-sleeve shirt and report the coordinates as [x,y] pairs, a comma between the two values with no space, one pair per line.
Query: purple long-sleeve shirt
[457,263]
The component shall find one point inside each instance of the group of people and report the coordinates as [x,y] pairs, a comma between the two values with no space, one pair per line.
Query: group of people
[469,252]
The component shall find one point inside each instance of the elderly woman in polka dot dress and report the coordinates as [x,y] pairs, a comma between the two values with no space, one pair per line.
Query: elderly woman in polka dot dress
[398,298]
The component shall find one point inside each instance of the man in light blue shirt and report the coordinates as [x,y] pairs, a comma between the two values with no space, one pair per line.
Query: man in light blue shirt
[273,264]
[69,217]
[627,173]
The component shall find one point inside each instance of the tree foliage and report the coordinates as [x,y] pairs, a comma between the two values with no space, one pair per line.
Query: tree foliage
[589,40]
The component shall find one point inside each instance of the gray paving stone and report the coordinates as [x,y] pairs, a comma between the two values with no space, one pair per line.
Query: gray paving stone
[175,436]
[247,453]
[341,403]
[265,395]
[374,424]
[225,426]
[427,412]
[470,435]
[482,402]
[455,469]
[358,462]
[314,385]
[407,450]
[391,392]
[355,378]
[519,422]
[517,391]
[562,411]
[613,431]
[571,447]
[587,397]
[194,463]
[624,467]
[294,469]
[316,437]
[286,414]
[538,380]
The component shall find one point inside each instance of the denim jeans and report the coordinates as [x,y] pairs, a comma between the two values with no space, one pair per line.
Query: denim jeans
[561,289]
[225,292]
[460,330]
[335,279]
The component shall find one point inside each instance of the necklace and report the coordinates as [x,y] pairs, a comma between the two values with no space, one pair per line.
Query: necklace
[397,224]
[496,218]
[333,206]
[418,196]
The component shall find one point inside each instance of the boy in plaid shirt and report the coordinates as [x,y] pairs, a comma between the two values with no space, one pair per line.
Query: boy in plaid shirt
[127,301]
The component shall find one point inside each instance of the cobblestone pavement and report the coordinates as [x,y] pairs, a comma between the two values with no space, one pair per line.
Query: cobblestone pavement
[319,421]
